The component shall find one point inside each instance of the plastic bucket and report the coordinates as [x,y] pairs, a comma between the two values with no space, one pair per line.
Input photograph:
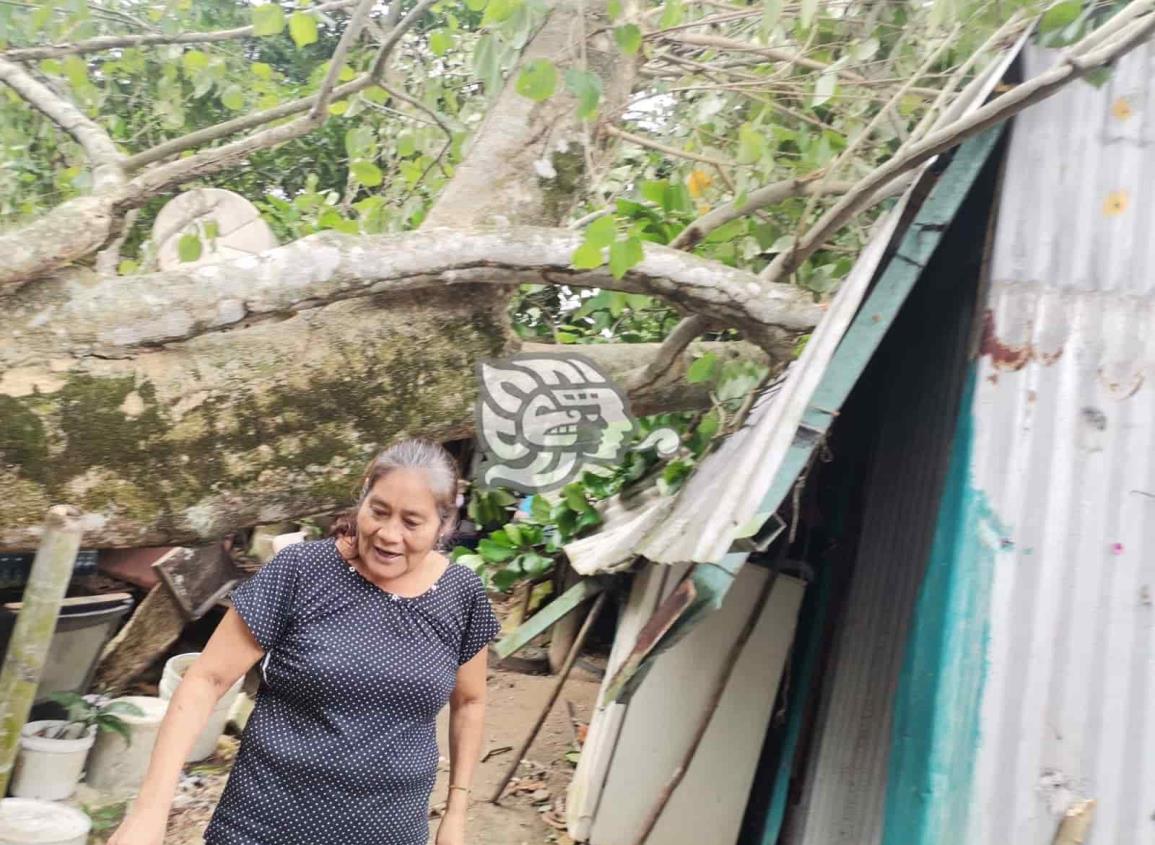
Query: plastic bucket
[119,766]
[206,743]
[49,769]
[27,822]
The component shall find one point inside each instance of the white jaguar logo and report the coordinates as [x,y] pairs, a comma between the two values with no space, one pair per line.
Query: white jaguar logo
[542,416]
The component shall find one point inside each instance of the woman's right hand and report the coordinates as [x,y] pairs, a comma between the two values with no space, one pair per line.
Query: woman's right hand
[141,828]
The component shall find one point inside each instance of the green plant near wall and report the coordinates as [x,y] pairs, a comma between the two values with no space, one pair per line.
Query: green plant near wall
[84,711]
[527,546]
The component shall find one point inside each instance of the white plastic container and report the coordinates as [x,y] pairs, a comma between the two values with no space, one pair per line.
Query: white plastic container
[206,743]
[24,821]
[117,766]
[49,769]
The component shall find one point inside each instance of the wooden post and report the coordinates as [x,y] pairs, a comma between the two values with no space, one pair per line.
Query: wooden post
[565,670]
[564,630]
[32,633]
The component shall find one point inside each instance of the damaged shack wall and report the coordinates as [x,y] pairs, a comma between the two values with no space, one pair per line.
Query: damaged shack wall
[910,395]
[1064,433]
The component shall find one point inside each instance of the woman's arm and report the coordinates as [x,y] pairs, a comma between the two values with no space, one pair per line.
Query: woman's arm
[466,724]
[230,652]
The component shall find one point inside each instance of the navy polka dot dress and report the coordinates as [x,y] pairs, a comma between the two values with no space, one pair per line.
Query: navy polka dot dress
[341,746]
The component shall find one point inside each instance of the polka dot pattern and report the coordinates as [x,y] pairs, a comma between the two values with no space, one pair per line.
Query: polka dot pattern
[341,746]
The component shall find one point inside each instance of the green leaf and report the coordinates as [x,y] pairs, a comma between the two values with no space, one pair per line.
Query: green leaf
[824,88]
[771,12]
[338,108]
[406,144]
[587,257]
[367,173]
[624,255]
[494,552]
[193,61]
[75,71]
[751,144]
[303,28]
[359,142]
[189,247]
[703,369]
[672,14]
[268,19]
[576,499]
[116,726]
[809,9]
[655,192]
[440,41]
[1060,16]
[233,98]
[1098,77]
[486,61]
[212,229]
[476,5]
[497,11]
[587,87]
[513,532]
[535,565]
[261,70]
[601,232]
[505,578]
[628,37]
[537,80]
[614,9]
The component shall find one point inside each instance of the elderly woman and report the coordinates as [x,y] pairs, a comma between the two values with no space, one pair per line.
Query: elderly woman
[362,639]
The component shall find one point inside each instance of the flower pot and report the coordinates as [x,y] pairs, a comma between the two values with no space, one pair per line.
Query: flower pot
[24,821]
[49,769]
[206,743]
[118,766]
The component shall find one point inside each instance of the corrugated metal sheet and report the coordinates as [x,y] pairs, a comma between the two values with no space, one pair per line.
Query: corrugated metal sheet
[1064,451]
[736,489]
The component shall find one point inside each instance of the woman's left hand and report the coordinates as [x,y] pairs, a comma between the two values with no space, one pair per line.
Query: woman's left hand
[451,831]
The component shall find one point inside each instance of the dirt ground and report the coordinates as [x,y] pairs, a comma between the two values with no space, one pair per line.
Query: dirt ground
[532,811]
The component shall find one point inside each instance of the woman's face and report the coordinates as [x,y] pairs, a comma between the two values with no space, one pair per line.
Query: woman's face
[397,524]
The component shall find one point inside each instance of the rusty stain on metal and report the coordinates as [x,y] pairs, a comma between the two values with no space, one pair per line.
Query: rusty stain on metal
[1120,390]
[653,632]
[1008,357]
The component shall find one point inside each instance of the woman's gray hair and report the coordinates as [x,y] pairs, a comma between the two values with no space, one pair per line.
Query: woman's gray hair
[434,460]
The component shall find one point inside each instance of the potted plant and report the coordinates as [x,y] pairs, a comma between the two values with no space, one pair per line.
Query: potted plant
[53,751]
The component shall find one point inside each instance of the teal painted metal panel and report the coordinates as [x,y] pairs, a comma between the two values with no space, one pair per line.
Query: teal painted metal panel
[877,314]
[936,712]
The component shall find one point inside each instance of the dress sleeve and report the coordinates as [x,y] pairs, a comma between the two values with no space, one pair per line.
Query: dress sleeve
[481,625]
[265,601]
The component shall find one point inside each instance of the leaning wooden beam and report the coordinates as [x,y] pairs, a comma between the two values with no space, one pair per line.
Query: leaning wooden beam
[32,634]
[153,628]
[562,606]
[595,611]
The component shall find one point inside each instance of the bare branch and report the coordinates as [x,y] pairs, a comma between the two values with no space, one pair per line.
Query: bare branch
[231,127]
[214,159]
[337,62]
[664,148]
[107,162]
[118,42]
[675,343]
[718,42]
[330,267]
[1076,64]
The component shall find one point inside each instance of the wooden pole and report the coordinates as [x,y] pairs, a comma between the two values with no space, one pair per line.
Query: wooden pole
[32,633]
[575,649]
[707,715]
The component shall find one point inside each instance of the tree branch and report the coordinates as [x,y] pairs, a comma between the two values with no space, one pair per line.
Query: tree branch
[675,343]
[664,148]
[1076,64]
[107,162]
[153,181]
[209,134]
[119,42]
[119,315]
[337,62]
